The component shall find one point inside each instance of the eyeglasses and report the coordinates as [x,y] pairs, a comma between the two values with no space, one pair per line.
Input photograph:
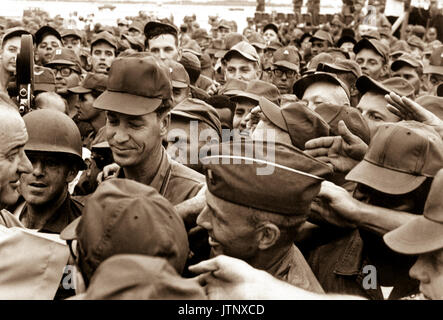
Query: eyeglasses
[64,71]
[289,73]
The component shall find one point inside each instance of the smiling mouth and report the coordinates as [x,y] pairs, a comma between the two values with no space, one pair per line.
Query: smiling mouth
[37,185]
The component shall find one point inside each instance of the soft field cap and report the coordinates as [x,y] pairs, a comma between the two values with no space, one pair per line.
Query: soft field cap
[425,233]
[136,86]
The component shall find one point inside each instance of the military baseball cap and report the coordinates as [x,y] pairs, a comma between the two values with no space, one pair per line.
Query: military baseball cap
[322,57]
[190,61]
[303,83]
[105,37]
[14,32]
[406,60]
[395,84]
[271,26]
[127,217]
[195,109]
[179,76]
[435,62]
[137,25]
[136,86]
[134,42]
[293,177]
[432,103]
[232,87]
[344,39]
[322,35]
[353,119]
[43,32]
[274,45]
[424,233]
[153,27]
[223,24]
[44,79]
[301,123]
[257,40]
[92,82]
[192,47]
[370,34]
[65,56]
[139,277]
[256,89]
[245,49]
[416,42]
[287,57]
[400,47]
[401,156]
[373,44]
[71,32]
[340,65]
[200,33]
[230,40]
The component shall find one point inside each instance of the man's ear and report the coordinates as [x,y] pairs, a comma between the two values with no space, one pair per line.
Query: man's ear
[72,173]
[268,234]
[165,121]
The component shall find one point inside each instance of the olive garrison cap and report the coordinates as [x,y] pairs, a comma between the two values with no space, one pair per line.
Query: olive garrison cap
[270,177]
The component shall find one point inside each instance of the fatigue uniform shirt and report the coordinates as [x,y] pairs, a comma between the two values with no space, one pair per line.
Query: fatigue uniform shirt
[294,269]
[69,210]
[341,267]
[174,181]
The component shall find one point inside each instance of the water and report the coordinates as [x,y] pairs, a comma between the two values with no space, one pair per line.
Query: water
[14,8]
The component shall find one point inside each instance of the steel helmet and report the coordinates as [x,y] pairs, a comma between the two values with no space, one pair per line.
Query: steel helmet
[53,131]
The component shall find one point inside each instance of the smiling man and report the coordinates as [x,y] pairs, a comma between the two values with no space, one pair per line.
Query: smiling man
[48,206]
[242,63]
[137,103]
[13,160]
[245,220]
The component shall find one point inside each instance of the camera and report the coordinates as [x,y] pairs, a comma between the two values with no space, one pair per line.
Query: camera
[25,75]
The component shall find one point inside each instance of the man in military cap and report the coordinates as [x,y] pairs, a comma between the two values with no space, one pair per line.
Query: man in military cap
[137,121]
[47,40]
[321,41]
[242,62]
[434,70]
[142,222]
[285,69]
[91,87]
[373,104]
[391,190]
[202,38]
[223,29]
[410,69]
[162,40]
[103,52]
[72,39]
[373,58]
[67,69]
[322,87]
[48,206]
[246,221]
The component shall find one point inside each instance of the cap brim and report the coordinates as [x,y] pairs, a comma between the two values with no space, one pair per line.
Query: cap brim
[433,69]
[273,113]
[365,84]
[259,45]
[302,84]
[383,179]
[126,103]
[243,54]
[236,95]
[44,87]
[56,62]
[79,90]
[179,84]
[286,64]
[70,232]
[418,236]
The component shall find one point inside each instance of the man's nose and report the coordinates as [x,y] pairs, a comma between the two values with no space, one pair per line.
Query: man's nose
[203,219]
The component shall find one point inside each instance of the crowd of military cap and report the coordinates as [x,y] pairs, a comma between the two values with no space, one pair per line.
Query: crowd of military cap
[182,163]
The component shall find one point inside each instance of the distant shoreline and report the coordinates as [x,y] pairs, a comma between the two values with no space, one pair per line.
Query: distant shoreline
[177,2]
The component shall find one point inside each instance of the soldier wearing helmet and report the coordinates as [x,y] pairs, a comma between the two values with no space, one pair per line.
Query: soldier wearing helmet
[55,151]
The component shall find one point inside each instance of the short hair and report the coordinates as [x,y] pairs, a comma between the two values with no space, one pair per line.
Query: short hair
[158,31]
